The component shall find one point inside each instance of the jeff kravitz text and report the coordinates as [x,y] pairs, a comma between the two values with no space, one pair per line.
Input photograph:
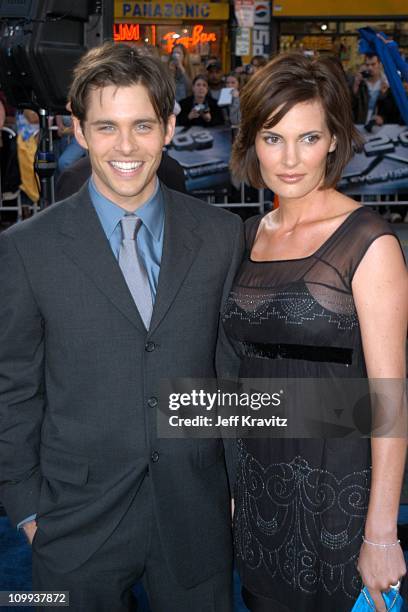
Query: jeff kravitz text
[220,401]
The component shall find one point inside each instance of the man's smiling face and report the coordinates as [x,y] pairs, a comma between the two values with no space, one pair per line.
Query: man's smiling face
[124,138]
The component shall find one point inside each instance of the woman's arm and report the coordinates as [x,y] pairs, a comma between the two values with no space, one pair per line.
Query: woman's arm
[380,290]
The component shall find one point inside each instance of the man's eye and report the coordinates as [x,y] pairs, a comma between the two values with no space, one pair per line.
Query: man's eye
[143,127]
[106,128]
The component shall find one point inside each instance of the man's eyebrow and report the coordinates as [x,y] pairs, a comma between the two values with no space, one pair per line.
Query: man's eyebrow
[112,122]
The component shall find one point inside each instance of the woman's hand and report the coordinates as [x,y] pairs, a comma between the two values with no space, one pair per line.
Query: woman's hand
[379,568]
[207,116]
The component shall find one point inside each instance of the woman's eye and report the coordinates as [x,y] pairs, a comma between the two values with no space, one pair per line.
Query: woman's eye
[311,139]
[271,139]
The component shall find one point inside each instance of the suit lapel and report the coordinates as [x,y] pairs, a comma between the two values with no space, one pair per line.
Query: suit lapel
[85,243]
[180,247]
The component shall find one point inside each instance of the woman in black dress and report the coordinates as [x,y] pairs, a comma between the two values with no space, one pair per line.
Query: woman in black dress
[322,293]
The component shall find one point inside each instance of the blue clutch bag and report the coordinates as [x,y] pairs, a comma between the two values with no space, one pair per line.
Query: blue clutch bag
[392,598]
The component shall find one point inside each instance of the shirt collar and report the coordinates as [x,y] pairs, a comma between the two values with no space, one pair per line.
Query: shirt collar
[110,214]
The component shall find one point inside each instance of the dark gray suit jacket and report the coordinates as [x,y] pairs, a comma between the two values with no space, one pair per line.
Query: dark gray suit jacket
[78,382]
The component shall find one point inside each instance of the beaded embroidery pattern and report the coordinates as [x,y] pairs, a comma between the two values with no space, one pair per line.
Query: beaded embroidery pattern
[290,306]
[295,541]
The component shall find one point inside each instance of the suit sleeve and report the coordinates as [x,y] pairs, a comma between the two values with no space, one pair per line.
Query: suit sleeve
[21,386]
[227,360]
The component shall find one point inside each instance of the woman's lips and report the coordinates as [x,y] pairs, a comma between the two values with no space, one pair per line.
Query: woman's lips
[291,178]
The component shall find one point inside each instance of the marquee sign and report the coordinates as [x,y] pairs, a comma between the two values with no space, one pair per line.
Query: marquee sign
[156,10]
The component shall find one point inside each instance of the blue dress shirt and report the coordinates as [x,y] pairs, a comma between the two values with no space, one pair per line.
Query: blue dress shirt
[150,235]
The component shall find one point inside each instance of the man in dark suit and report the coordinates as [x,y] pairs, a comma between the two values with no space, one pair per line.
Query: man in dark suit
[104,294]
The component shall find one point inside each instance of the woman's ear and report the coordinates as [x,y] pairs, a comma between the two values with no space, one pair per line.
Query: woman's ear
[333,144]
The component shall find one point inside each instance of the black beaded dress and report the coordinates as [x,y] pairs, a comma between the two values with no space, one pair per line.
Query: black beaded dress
[300,504]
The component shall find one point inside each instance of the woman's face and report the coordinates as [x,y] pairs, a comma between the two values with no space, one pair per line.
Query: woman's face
[178,50]
[293,153]
[200,88]
[232,81]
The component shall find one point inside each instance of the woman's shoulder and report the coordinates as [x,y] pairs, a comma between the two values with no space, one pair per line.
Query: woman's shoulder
[367,224]
[361,228]
[360,220]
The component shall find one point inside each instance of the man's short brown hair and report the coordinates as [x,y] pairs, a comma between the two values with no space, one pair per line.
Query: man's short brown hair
[123,66]
[287,80]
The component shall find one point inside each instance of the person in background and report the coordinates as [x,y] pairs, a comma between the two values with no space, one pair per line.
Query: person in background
[28,128]
[182,70]
[10,111]
[258,62]
[387,110]
[367,87]
[232,111]
[322,294]
[70,150]
[200,109]
[215,77]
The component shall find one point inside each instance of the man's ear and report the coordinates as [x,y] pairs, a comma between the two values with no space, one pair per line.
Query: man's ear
[170,127]
[79,134]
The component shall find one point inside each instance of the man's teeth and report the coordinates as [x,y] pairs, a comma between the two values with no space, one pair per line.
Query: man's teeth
[126,166]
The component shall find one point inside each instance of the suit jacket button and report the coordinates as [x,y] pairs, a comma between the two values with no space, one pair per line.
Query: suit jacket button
[150,347]
[155,456]
[152,402]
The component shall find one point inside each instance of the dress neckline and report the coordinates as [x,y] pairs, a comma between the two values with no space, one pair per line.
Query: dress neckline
[315,253]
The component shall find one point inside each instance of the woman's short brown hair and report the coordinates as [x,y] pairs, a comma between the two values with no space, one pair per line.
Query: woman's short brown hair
[123,66]
[287,80]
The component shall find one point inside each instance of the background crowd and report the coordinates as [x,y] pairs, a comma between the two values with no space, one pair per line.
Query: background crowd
[206,96]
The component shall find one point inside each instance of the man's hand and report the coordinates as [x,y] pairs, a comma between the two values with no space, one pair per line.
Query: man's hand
[30,528]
